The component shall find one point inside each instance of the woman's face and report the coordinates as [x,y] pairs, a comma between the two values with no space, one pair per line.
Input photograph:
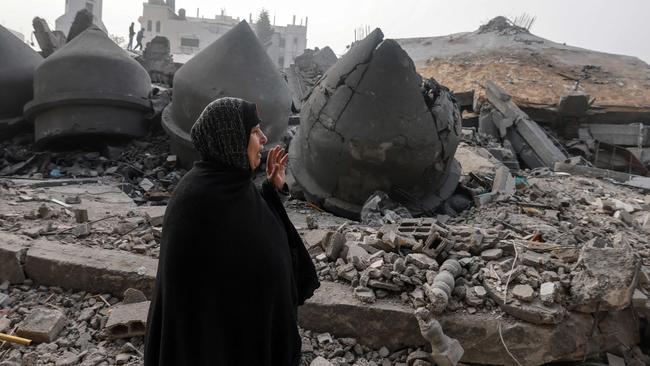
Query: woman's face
[256,143]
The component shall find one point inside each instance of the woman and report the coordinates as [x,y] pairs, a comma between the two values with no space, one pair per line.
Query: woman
[232,267]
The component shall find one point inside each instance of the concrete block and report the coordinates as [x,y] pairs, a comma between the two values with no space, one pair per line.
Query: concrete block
[386,322]
[12,254]
[89,269]
[42,325]
[127,320]
[575,104]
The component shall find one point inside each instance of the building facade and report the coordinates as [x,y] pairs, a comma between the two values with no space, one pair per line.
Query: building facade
[64,22]
[189,35]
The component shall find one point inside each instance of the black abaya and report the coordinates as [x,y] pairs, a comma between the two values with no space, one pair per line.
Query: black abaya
[232,272]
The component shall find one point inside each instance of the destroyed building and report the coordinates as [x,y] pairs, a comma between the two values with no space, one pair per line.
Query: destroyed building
[235,65]
[17,67]
[573,92]
[89,91]
[372,124]
[551,264]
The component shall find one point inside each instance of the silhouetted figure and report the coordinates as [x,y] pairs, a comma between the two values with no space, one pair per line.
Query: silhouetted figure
[131,34]
[139,38]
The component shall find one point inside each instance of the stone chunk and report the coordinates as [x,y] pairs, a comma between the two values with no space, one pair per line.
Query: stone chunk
[364,294]
[547,292]
[132,296]
[605,278]
[320,361]
[42,325]
[523,292]
[12,253]
[336,245]
[317,239]
[127,320]
[491,254]
[422,261]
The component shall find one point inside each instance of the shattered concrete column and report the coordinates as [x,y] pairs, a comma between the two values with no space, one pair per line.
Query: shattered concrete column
[445,351]
[372,124]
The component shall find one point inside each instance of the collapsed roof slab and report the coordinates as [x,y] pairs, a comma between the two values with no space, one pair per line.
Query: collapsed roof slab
[372,124]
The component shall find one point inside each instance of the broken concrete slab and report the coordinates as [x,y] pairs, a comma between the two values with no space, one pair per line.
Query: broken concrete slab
[318,238]
[605,276]
[574,104]
[339,164]
[630,180]
[42,325]
[89,269]
[528,139]
[12,256]
[333,308]
[127,320]
[503,186]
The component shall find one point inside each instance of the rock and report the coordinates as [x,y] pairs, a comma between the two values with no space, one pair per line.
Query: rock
[347,272]
[5,324]
[320,361]
[605,277]
[132,296]
[317,239]
[12,255]
[122,358]
[364,294]
[491,254]
[357,255]
[417,355]
[68,359]
[42,325]
[127,320]
[384,352]
[81,230]
[547,292]
[472,298]
[613,360]
[523,292]
[422,261]
[336,245]
[624,216]
[384,285]
[324,338]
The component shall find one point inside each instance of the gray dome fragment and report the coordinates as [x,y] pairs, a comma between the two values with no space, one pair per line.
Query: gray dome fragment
[17,65]
[235,65]
[89,91]
[371,124]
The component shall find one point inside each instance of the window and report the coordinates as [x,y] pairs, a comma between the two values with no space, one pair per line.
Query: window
[149,25]
[189,42]
[89,7]
[281,61]
[158,26]
[283,42]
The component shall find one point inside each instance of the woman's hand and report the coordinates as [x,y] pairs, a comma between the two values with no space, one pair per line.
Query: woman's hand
[276,163]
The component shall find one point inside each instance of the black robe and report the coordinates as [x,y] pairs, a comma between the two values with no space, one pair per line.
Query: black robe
[231,275]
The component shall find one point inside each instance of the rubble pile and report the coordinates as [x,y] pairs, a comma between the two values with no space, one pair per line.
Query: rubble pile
[415,125]
[158,61]
[235,65]
[307,69]
[89,91]
[70,328]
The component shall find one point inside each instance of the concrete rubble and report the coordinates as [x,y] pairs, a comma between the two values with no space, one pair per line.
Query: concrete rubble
[235,65]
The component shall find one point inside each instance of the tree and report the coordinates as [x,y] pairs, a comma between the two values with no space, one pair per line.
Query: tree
[263,28]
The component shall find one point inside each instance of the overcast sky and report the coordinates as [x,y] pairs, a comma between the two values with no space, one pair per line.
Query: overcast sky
[621,26]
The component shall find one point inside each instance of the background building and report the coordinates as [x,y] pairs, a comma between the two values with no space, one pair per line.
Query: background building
[64,22]
[189,35]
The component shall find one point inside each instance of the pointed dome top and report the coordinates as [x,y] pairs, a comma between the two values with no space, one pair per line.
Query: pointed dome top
[234,65]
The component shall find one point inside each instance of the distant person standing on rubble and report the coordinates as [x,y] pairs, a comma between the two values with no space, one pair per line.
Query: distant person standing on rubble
[139,38]
[232,269]
[131,34]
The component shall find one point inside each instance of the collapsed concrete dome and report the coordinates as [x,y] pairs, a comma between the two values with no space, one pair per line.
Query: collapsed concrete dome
[89,91]
[234,65]
[17,65]
[372,124]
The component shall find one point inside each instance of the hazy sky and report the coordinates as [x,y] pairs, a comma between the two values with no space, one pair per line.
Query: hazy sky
[611,26]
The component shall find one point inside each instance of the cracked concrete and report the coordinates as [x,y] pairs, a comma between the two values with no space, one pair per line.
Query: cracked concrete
[370,124]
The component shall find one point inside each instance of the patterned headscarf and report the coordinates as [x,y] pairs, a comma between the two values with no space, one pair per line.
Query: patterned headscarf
[222,131]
